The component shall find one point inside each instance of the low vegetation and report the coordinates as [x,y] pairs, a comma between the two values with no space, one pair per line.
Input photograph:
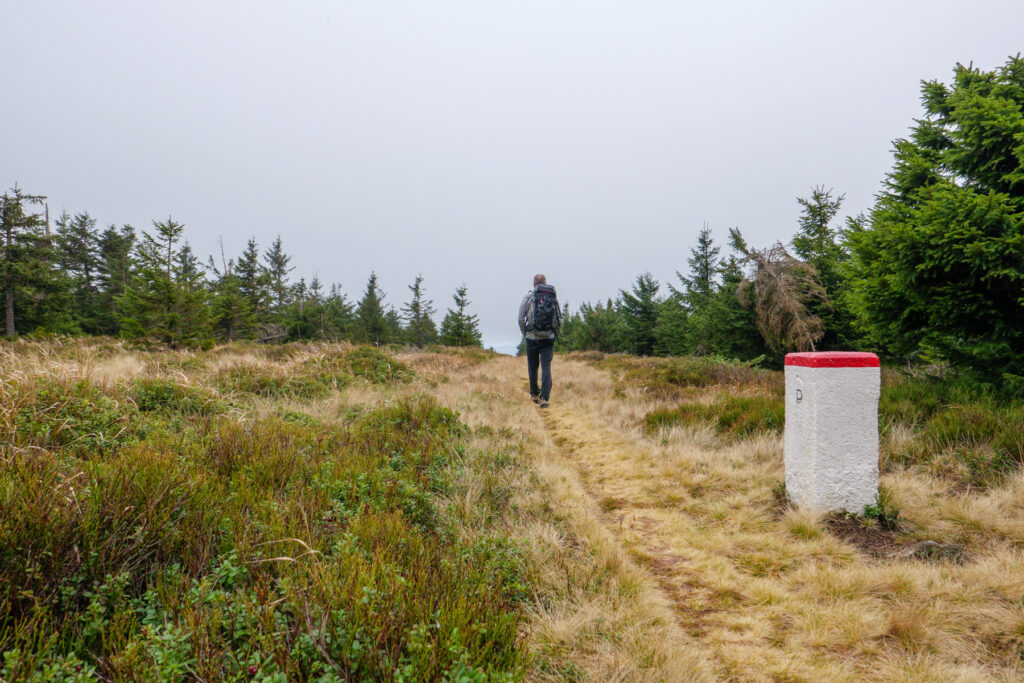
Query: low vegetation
[159,527]
[328,512]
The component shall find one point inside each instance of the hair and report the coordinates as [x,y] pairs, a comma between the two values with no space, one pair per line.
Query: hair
[539,279]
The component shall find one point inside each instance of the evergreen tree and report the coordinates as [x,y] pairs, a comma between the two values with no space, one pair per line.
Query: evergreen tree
[684,319]
[640,310]
[318,310]
[394,322]
[819,244]
[253,280]
[418,313]
[300,318]
[113,273]
[339,316]
[704,264]
[605,328]
[458,327]
[373,324]
[193,300]
[572,334]
[231,317]
[939,267]
[77,247]
[165,300]
[671,332]
[277,270]
[816,240]
[35,291]
[725,327]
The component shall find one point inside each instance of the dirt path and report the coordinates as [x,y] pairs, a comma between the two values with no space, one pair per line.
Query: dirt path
[668,556]
[672,509]
[617,475]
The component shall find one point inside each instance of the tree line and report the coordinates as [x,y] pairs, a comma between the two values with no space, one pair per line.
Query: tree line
[932,274]
[78,279]
[751,304]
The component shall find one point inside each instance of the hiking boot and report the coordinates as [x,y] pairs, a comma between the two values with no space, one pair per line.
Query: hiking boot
[535,398]
[543,404]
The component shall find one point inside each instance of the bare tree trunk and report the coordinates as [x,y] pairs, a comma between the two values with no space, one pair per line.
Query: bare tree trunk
[9,287]
[9,296]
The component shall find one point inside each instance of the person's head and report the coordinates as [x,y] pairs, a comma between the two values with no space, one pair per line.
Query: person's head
[539,279]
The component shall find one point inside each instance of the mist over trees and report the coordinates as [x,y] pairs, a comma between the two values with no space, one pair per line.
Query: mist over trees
[933,273]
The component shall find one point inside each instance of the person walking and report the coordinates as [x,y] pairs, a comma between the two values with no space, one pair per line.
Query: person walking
[540,318]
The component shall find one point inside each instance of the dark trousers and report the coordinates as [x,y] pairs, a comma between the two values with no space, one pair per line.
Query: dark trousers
[539,352]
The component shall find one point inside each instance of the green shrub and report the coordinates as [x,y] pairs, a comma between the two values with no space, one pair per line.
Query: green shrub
[735,417]
[673,376]
[958,427]
[267,548]
[376,366]
[266,383]
[76,417]
[166,396]
[366,362]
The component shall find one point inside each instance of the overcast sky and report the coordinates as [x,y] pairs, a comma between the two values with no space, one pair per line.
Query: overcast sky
[475,142]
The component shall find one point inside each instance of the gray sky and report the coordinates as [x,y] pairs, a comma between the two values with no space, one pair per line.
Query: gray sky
[475,142]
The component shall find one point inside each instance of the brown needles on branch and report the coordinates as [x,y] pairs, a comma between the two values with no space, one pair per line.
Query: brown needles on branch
[781,289]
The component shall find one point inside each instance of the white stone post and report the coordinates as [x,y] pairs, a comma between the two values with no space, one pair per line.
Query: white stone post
[832,430]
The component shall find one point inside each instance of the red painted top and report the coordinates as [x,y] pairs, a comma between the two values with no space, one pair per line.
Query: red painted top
[833,359]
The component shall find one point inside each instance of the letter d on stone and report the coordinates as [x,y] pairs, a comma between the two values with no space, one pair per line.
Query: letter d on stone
[832,430]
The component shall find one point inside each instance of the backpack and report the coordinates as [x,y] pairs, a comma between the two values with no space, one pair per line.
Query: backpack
[542,318]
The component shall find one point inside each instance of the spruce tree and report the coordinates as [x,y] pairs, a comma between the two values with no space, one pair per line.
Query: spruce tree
[373,324]
[604,327]
[114,270]
[938,269]
[317,310]
[231,317]
[35,291]
[572,334]
[253,280]
[193,300]
[819,244]
[277,269]
[726,327]
[165,300]
[703,262]
[339,316]
[640,310]
[671,332]
[459,328]
[78,245]
[418,314]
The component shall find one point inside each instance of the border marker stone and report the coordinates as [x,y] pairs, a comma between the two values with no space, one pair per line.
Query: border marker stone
[831,438]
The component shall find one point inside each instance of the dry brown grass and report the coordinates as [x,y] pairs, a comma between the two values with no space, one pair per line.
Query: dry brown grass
[772,594]
[667,556]
[597,614]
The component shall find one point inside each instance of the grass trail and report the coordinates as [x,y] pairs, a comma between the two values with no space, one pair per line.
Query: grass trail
[746,588]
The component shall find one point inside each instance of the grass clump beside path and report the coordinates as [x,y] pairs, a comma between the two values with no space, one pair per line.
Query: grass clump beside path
[734,417]
[149,533]
[681,376]
[949,428]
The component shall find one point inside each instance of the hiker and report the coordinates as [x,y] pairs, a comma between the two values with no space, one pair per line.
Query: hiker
[540,318]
